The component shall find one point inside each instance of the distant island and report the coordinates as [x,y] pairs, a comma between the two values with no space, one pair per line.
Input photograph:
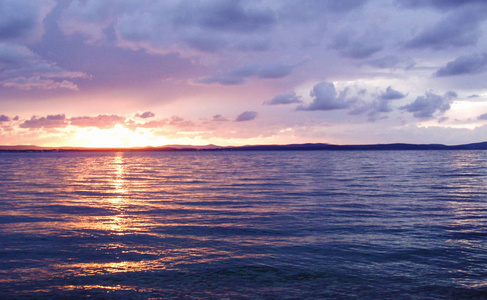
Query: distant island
[289,147]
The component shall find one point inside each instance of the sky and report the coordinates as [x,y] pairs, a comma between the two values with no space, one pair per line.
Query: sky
[120,73]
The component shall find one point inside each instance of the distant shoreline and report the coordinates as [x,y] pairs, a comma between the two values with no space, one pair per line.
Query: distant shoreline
[290,147]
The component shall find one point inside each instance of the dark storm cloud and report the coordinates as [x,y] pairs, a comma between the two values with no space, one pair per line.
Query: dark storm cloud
[246,116]
[100,121]
[429,104]
[391,94]
[325,98]
[459,28]
[242,73]
[286,98]
[467,64]
[51,121]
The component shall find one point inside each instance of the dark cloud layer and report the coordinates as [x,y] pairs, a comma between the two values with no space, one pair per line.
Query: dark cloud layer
[242,73]
[441,4]
[358,47]
[22,19]
[468,64]
[459,28]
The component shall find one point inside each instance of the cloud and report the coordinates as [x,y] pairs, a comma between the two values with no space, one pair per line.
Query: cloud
[151,124]
[286,98]
[37,82]
[4,118]
[23,69]
[392,61]
[233,16]
[51,121]
[21,20]
[100,121]
[391,94]
[349,45]
[145,115]
[178,121]
[246,116]
[429,104]
[325,98]
[89,18]
[458,29]
[443,4]
[467,64]
[219,118]
[482,117]
[242,73]
[205,26]
[381,104]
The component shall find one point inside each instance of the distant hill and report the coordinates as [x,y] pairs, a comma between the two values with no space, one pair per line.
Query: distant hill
[300,147]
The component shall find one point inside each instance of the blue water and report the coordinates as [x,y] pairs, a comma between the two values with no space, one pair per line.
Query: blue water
[244,225]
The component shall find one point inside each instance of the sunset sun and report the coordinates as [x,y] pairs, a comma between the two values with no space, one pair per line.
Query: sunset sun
[117,137]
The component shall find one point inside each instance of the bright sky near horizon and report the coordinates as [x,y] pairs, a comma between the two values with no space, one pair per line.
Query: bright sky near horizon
[136,73]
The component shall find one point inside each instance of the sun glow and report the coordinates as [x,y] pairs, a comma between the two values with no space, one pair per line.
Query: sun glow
[117,137]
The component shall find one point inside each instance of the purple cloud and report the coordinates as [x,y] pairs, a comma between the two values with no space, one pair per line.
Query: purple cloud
[51,121]
[246,116]
[359,47]
[22,19]
[242,73]
[325,98]
[145,115]
[482,117]
[219,118]
[391,94]
[467,64]
[429,104]
[458,29]
[286,98]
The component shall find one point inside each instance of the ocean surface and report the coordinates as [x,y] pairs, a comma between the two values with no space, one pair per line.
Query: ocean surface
[244,225]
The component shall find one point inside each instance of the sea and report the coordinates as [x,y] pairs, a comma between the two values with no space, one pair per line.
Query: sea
[243,225]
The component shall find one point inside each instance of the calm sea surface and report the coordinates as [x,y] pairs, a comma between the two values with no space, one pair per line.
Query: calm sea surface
[238,225]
